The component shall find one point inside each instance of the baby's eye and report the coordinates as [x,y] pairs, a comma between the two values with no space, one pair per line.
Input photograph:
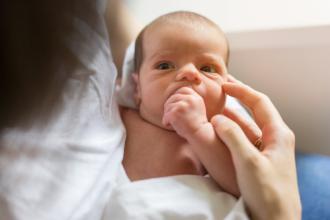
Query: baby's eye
[164,66]
[208,69]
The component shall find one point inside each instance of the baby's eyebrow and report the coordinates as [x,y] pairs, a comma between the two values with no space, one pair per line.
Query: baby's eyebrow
[160,54]
[213,57]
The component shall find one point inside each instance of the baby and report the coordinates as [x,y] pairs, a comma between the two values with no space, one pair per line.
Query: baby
[180,66]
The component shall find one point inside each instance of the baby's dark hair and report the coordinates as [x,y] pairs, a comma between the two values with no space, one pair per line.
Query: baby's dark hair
[175,17]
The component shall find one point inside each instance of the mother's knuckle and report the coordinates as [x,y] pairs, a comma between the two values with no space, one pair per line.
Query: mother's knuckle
[253,161]
[285,135]
[264,97]
[289,136]
[260,98]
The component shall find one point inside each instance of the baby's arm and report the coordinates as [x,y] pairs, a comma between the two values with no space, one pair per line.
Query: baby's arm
[206,144]
[185,112]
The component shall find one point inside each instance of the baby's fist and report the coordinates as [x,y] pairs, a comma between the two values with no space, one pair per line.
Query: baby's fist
[184,111]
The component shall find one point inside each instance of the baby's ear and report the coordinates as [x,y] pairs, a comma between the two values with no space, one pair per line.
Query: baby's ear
[137,92]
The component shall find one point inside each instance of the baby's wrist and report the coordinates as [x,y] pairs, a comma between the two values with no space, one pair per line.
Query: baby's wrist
[201,134]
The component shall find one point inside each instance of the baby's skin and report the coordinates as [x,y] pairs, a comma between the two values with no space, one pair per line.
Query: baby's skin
[152,151]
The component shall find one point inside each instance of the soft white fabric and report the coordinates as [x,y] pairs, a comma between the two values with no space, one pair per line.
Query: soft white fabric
[172,198]
[65,168]
[126,89]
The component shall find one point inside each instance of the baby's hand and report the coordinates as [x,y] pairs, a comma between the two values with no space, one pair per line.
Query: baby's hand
[185,112]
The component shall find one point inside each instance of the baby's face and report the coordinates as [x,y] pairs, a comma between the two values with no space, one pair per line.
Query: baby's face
[176,56]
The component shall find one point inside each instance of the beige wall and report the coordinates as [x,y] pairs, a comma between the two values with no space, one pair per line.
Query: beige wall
[292,66]
[238,15]
[280,47]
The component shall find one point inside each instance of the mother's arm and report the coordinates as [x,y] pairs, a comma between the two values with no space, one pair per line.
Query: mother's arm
[122,27]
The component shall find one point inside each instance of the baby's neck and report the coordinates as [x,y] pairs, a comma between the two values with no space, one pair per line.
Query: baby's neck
[151,151]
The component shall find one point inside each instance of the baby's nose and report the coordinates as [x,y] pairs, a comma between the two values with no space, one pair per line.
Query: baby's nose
[189,73]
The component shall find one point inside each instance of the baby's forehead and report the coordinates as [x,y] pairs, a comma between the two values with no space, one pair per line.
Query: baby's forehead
[193,24]
[174,33]
[170,34]
[170,22]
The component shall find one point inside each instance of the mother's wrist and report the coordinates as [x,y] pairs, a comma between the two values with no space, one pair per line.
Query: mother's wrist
[278,210]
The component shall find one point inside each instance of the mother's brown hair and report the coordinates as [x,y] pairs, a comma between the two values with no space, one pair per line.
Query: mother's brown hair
[35,63]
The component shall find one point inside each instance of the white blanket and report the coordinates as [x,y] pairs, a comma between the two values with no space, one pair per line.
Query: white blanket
[182,197]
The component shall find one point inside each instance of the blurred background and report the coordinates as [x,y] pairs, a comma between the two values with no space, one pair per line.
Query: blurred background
[281,48]
[241,15]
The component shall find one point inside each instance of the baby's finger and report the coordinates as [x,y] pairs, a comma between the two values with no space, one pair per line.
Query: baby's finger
[175,98]
[170,108]
[166,122]
[188,90]
[250,128]
[175,105]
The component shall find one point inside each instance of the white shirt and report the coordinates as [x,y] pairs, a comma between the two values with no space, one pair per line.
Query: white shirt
[65,168]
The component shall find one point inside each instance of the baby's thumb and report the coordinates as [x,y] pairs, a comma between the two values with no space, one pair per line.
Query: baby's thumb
[234,138]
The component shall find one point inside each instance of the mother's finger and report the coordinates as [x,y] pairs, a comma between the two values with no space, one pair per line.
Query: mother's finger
[232,79]
[251,130]
[262,108]
[234,138]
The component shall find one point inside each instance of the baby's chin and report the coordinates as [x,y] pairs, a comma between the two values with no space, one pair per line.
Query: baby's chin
[157,122]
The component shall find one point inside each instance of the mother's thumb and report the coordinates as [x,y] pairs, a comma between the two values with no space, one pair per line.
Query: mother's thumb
[233,137]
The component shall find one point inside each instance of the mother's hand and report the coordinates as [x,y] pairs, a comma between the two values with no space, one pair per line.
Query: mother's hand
[267,179]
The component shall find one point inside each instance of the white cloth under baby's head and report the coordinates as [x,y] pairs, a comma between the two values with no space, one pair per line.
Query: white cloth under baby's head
[125,91]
